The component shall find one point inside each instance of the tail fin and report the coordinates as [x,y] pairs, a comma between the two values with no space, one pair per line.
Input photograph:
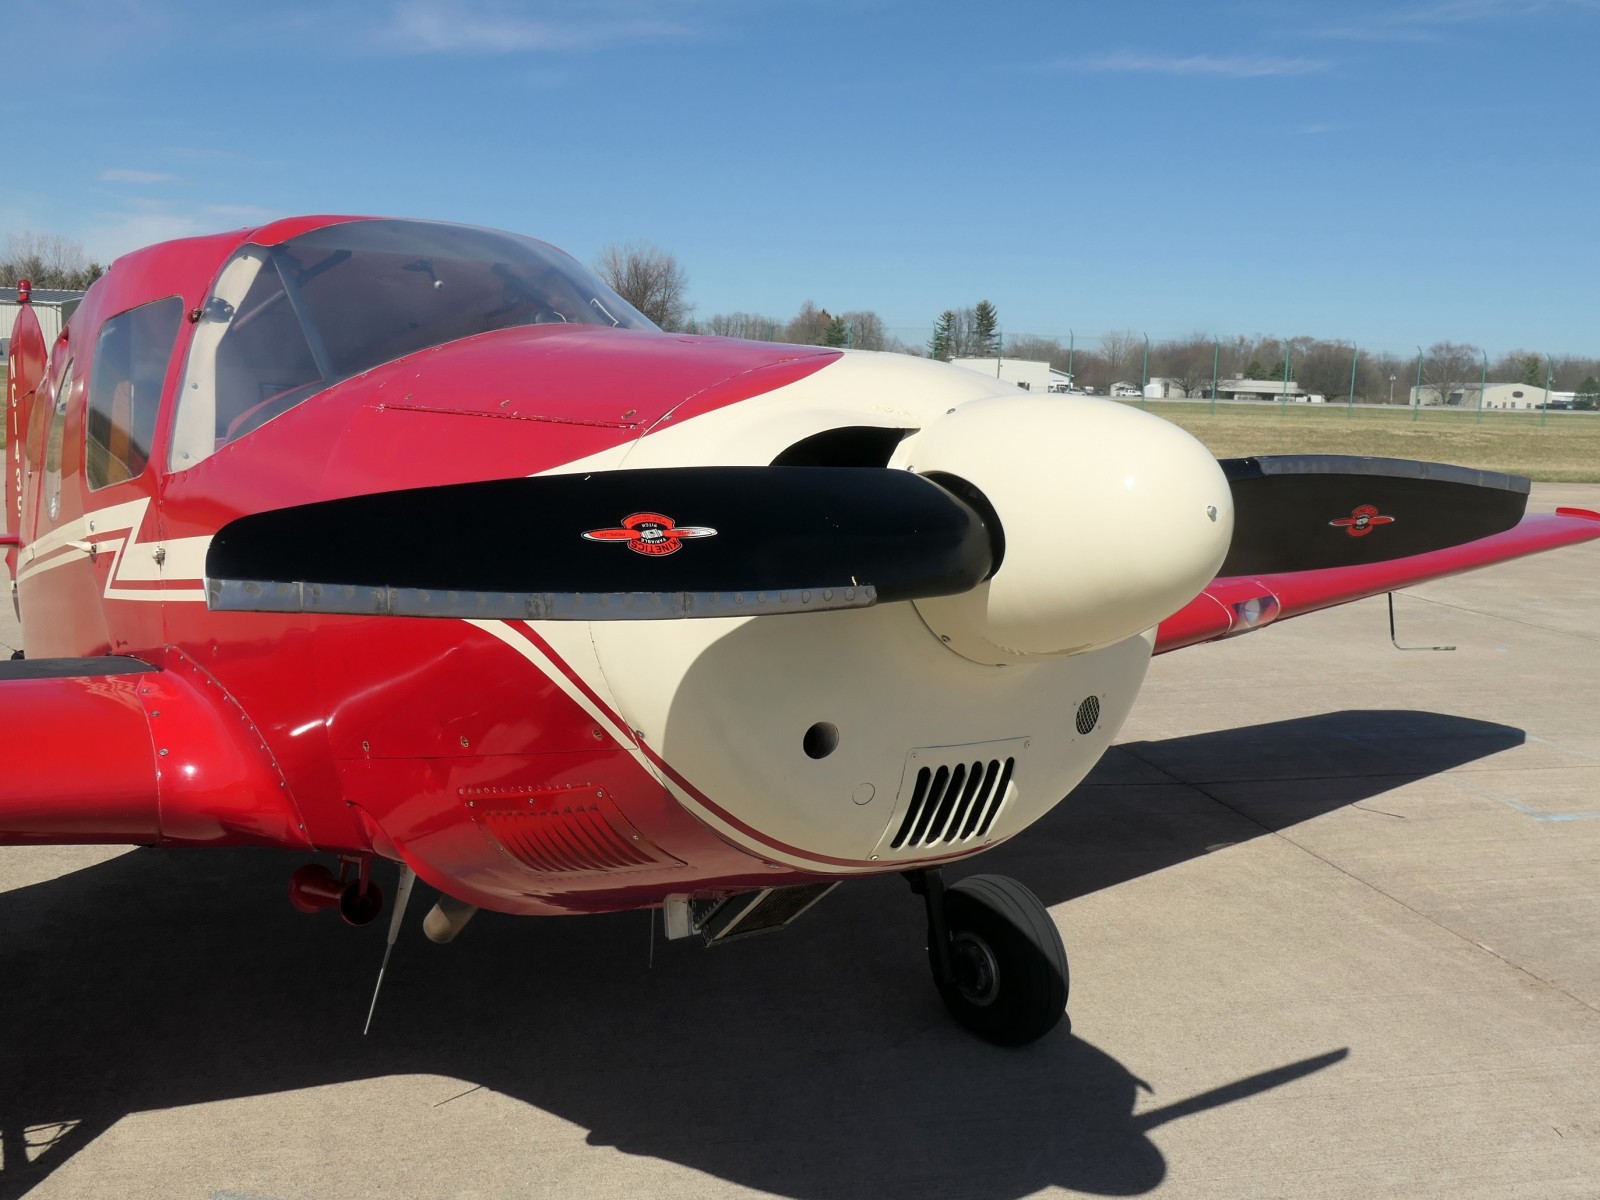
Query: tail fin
[26,372]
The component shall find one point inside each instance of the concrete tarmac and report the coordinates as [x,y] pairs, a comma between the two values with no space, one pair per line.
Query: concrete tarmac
[1334,917]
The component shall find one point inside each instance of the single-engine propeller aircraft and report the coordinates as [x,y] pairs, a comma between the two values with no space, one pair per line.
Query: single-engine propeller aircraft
[394,540]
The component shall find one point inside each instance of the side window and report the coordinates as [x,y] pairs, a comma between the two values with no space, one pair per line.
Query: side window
[54,446]
[130,364]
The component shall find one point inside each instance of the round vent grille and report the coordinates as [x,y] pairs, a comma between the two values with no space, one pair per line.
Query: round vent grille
[1088,714]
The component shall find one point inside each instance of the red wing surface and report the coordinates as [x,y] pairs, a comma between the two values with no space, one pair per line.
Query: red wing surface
[1237,604]
[113,750]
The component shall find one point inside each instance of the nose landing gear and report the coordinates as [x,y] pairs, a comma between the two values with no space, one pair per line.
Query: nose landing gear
[996,956]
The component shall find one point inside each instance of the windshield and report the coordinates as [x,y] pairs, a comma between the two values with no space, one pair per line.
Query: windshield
[284,322]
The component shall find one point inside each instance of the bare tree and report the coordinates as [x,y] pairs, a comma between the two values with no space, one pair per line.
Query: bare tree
[1574,374]
[963,335]
[809,326]
[1186,362]
[866,330]
[1236,357]
[647,278]
[1089,371]
[1031,347]
[1518,366]
[47,261]
[1116,352]
[1447,368]
[750,326]
[1323,368]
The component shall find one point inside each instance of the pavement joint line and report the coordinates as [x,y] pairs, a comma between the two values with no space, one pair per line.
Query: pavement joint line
[1527,811]
[1367,883]
[1495,616]
[1594,758]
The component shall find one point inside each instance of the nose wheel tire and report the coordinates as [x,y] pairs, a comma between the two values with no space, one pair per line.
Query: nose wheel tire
[1006,979]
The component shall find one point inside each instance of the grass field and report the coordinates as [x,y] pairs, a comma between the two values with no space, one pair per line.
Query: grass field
[1565,449]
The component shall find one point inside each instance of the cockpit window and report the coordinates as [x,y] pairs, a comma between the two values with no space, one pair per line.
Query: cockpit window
[284,322]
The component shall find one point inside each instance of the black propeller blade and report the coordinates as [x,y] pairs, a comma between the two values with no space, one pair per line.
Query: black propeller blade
[1307,512]
[647,544]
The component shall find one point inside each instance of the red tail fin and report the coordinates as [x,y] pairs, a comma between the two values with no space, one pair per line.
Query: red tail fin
[27,363]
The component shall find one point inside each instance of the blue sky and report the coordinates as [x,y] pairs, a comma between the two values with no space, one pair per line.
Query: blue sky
[1392,173]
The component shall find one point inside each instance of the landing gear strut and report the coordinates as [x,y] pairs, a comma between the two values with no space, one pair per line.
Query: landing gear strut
[996,955]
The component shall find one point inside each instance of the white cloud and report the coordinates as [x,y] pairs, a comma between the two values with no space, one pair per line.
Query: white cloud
[1428,22]
[145,222]
[252,213]
[128,175]
[457,26]
[1214,66]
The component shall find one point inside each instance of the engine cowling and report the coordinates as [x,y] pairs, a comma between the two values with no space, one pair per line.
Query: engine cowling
[1112,519]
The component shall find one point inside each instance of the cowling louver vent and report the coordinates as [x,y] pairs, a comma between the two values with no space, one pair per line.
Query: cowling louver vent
[950,797]
[554,833]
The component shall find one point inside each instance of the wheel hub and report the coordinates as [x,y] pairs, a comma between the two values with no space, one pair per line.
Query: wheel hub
[976,974]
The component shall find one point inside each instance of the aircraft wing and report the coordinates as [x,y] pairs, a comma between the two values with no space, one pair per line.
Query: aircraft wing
[1239,603]
[119,751]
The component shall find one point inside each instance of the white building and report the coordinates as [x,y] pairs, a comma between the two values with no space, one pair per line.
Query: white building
[1262,389]
[1495,395]
[1162,388]
[51,307]
[1027,375]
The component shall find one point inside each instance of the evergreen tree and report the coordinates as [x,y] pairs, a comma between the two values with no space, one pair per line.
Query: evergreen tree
[1255,370]
[944,332]
[837,333]
[985,330]
[1532,372]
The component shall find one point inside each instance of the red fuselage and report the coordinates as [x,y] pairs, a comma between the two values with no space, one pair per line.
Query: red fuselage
[375,734]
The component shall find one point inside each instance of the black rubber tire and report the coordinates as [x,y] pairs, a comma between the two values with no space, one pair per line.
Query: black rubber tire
[1019,991]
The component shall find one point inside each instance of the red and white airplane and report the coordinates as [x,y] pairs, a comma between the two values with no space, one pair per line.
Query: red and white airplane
[394,540]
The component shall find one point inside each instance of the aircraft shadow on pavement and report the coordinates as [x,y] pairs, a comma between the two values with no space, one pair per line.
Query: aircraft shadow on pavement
[811,1064]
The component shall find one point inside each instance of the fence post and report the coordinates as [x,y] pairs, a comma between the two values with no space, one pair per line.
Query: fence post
[1283,400]
[1483,383]
[1144,375]
[1416,395]
[1216,349]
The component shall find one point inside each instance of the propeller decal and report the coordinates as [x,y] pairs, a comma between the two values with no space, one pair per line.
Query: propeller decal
[1361,521]
[650,533]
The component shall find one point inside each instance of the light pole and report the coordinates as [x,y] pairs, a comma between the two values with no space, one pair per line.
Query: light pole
[1283,402]
[1072,341]
[1391,389]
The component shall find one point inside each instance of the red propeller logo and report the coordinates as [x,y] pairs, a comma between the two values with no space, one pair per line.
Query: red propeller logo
[651,533]
[1362,521]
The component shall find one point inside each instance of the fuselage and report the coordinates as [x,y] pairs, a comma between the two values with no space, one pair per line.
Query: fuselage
[544,767]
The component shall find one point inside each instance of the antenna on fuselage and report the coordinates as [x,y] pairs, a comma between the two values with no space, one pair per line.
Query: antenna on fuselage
[401,896]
